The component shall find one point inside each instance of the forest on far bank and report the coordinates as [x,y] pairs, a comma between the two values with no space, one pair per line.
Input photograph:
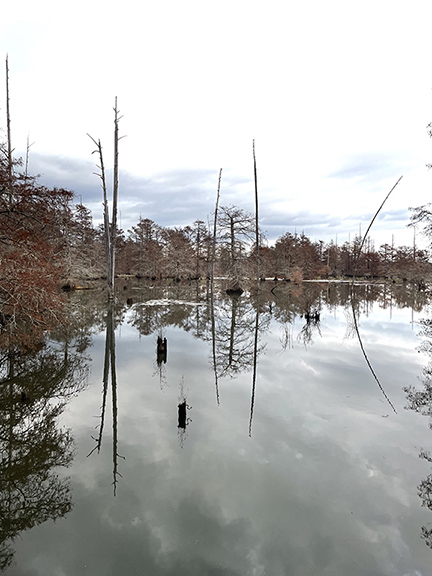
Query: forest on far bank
[154,252]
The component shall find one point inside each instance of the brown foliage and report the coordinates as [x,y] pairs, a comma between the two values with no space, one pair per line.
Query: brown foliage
[33,221]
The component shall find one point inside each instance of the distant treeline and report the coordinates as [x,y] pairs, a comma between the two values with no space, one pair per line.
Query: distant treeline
[155,252]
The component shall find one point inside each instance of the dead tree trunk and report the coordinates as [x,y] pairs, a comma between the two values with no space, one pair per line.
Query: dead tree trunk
[115,196]
[107,234]
[215,227]
[182,415]
[161,350]
[27,157]
[9,185]
[8,127]
[256,212]
[110,231]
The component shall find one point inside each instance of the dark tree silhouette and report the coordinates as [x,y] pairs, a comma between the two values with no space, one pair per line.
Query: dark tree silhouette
[109,369]
[34,390]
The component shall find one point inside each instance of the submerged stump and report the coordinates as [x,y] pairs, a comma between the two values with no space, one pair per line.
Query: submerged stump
[182,415]
[235,290]
[161,351]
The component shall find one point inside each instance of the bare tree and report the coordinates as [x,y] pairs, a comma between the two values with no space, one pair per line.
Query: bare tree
[200,238]
[178,253]
[110,230]
[147,248]
[107,235]
[236,234]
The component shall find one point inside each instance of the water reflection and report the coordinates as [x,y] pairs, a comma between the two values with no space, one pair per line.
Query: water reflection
[353,327]
[109,368]
[161,358]
[311,326]
[290,464]
[420,401]
[162,350]
[236,324]
[183,418]
[34,391]
[189,308]
[254,375]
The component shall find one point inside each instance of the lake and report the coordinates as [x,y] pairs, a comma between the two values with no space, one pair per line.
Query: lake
[180,433]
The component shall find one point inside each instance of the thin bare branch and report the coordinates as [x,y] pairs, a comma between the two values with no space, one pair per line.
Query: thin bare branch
[373,220]
[352,300]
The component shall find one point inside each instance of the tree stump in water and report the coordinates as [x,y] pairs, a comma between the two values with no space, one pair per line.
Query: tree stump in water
[182,417]
[235,290]
[161,351]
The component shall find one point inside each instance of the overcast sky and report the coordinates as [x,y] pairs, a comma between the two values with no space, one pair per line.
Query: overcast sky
[336,94]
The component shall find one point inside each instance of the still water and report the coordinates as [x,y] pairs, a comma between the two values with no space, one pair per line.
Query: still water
[258,442]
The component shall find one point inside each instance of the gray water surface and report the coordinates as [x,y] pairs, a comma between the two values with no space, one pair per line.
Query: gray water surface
[292,460]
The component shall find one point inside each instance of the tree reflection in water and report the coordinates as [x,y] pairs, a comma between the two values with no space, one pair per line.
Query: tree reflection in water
[236,324]
[34,390]
[109,363]
[254,374]
[353,327]
[421,402]
[233,324]
[235,330]
[311,325]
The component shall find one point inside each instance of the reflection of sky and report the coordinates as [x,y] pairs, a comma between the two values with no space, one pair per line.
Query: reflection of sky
[325,485]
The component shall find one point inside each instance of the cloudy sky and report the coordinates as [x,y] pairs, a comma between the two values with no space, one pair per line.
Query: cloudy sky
[337,96]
